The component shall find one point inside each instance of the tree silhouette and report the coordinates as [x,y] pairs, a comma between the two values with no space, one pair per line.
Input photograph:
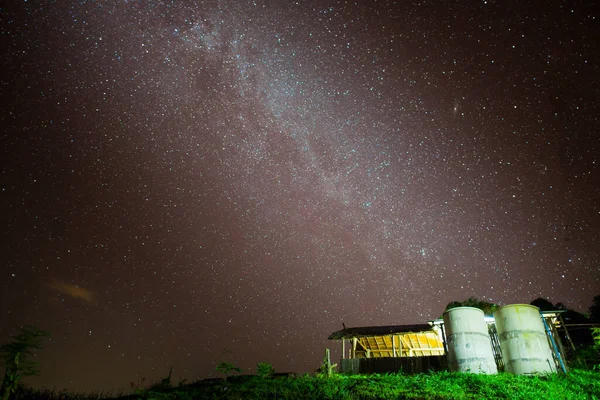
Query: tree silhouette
[595,309]
[16,358]
[543,304]
[486,307]
[227,368]
[570,316]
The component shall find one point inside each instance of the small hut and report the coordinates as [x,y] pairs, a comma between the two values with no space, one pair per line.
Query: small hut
[407,348]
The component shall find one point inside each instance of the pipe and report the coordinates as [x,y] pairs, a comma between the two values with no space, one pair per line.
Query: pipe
[560,360]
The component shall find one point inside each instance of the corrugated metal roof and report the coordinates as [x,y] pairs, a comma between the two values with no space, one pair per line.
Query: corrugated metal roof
[364,331]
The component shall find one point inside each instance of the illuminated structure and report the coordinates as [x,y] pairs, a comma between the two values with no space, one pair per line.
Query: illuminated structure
[424,347]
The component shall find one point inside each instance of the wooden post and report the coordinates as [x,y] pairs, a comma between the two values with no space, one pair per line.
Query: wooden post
[444,339]
[393,345]
[400,344]
[343,348]
[328,365]
[354,340]
[562,322]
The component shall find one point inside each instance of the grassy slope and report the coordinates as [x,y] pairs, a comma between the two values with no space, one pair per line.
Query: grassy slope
[578,384]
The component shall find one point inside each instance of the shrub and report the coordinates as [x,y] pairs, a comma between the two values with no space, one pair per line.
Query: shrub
[265,370]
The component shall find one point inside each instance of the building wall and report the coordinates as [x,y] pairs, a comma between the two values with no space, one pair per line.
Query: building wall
[407,365]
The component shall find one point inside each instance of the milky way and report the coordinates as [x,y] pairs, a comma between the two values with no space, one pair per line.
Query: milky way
[185,183]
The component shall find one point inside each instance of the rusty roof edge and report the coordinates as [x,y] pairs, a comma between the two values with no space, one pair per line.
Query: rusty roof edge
[365,331]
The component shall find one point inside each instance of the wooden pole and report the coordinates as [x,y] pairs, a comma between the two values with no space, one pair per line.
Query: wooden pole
[444,339]
[328,365]
[354,340]
[400,344]
[343,348]
[562,323]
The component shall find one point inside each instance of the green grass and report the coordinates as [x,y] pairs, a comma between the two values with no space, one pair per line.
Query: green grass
[577,385]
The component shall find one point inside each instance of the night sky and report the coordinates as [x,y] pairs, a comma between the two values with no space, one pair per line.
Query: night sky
[185,183]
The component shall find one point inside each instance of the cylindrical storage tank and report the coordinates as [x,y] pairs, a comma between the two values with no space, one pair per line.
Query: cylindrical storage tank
[468,340]
[523,340]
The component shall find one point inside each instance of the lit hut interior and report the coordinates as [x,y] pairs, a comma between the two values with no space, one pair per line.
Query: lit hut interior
[391,348]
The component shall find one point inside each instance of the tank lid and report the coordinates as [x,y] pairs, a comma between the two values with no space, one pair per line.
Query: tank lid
[518,305]
[463,308]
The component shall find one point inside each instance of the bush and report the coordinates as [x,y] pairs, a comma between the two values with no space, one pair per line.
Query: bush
[265,370]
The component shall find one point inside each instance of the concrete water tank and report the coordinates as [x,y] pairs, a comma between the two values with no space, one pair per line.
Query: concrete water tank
[468,340]
[523,340]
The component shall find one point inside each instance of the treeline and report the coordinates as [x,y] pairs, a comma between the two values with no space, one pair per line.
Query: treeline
[488,308]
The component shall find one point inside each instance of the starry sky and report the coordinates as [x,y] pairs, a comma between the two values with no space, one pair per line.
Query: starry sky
[190,182]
